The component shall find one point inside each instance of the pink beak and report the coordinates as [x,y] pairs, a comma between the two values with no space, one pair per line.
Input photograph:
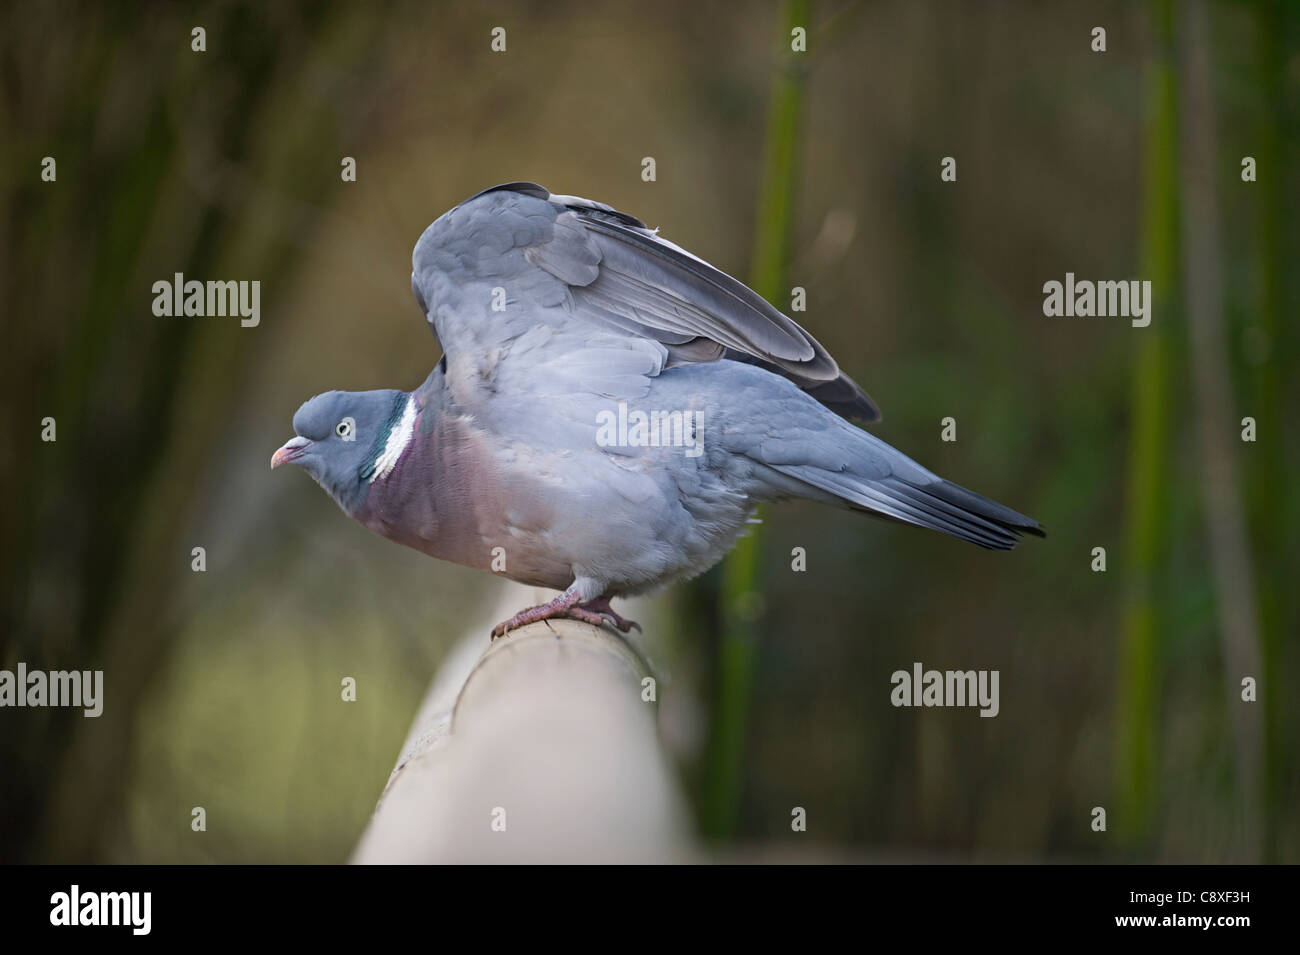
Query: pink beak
[293,449]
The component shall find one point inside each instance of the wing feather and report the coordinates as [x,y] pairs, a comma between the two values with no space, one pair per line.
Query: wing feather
[578,259]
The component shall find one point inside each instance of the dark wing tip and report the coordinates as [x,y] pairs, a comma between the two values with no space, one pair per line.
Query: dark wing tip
[842,394]
[846,398]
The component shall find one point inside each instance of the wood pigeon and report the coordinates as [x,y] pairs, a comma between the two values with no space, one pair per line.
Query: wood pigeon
[608,413]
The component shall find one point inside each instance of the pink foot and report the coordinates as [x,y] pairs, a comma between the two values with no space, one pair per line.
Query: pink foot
[555,608]
[595,612]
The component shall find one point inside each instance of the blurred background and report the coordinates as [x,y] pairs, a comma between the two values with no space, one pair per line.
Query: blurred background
[1119,689]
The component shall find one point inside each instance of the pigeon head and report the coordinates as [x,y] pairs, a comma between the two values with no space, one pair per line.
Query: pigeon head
[347,439]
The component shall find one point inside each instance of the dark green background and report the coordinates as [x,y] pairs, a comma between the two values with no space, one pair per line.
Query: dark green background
[222,687]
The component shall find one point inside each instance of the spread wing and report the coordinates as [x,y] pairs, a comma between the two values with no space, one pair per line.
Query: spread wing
[516,267]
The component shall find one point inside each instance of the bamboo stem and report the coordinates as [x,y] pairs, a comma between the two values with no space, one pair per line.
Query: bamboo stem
[1229,551]
[1148,472]
[742,572]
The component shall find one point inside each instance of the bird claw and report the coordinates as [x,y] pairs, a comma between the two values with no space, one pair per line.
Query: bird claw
[601,612]
[595,612]
[599,618]
[555,608]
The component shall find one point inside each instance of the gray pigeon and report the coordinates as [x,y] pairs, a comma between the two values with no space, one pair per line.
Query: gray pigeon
[608,412]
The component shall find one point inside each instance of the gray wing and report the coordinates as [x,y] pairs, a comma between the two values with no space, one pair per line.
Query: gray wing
[516,260]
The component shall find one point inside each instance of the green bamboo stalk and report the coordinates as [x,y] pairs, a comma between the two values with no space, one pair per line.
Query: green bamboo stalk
[1142,617]
[1232,574]
[741,601]
[1265,466]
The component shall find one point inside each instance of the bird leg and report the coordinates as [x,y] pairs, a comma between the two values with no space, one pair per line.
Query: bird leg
[595,612]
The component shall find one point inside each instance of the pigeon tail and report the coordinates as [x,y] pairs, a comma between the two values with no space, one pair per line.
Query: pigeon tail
[959,512]
[866,474]
[937,504]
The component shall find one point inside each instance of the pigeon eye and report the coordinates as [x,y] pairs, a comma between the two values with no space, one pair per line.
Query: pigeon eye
[344,428]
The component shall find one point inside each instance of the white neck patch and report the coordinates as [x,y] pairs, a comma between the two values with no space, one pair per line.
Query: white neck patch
[398,439]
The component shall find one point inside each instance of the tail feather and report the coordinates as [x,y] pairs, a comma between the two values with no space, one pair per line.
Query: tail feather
[960,521]
[806,450]
[991,524]
[937,504]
